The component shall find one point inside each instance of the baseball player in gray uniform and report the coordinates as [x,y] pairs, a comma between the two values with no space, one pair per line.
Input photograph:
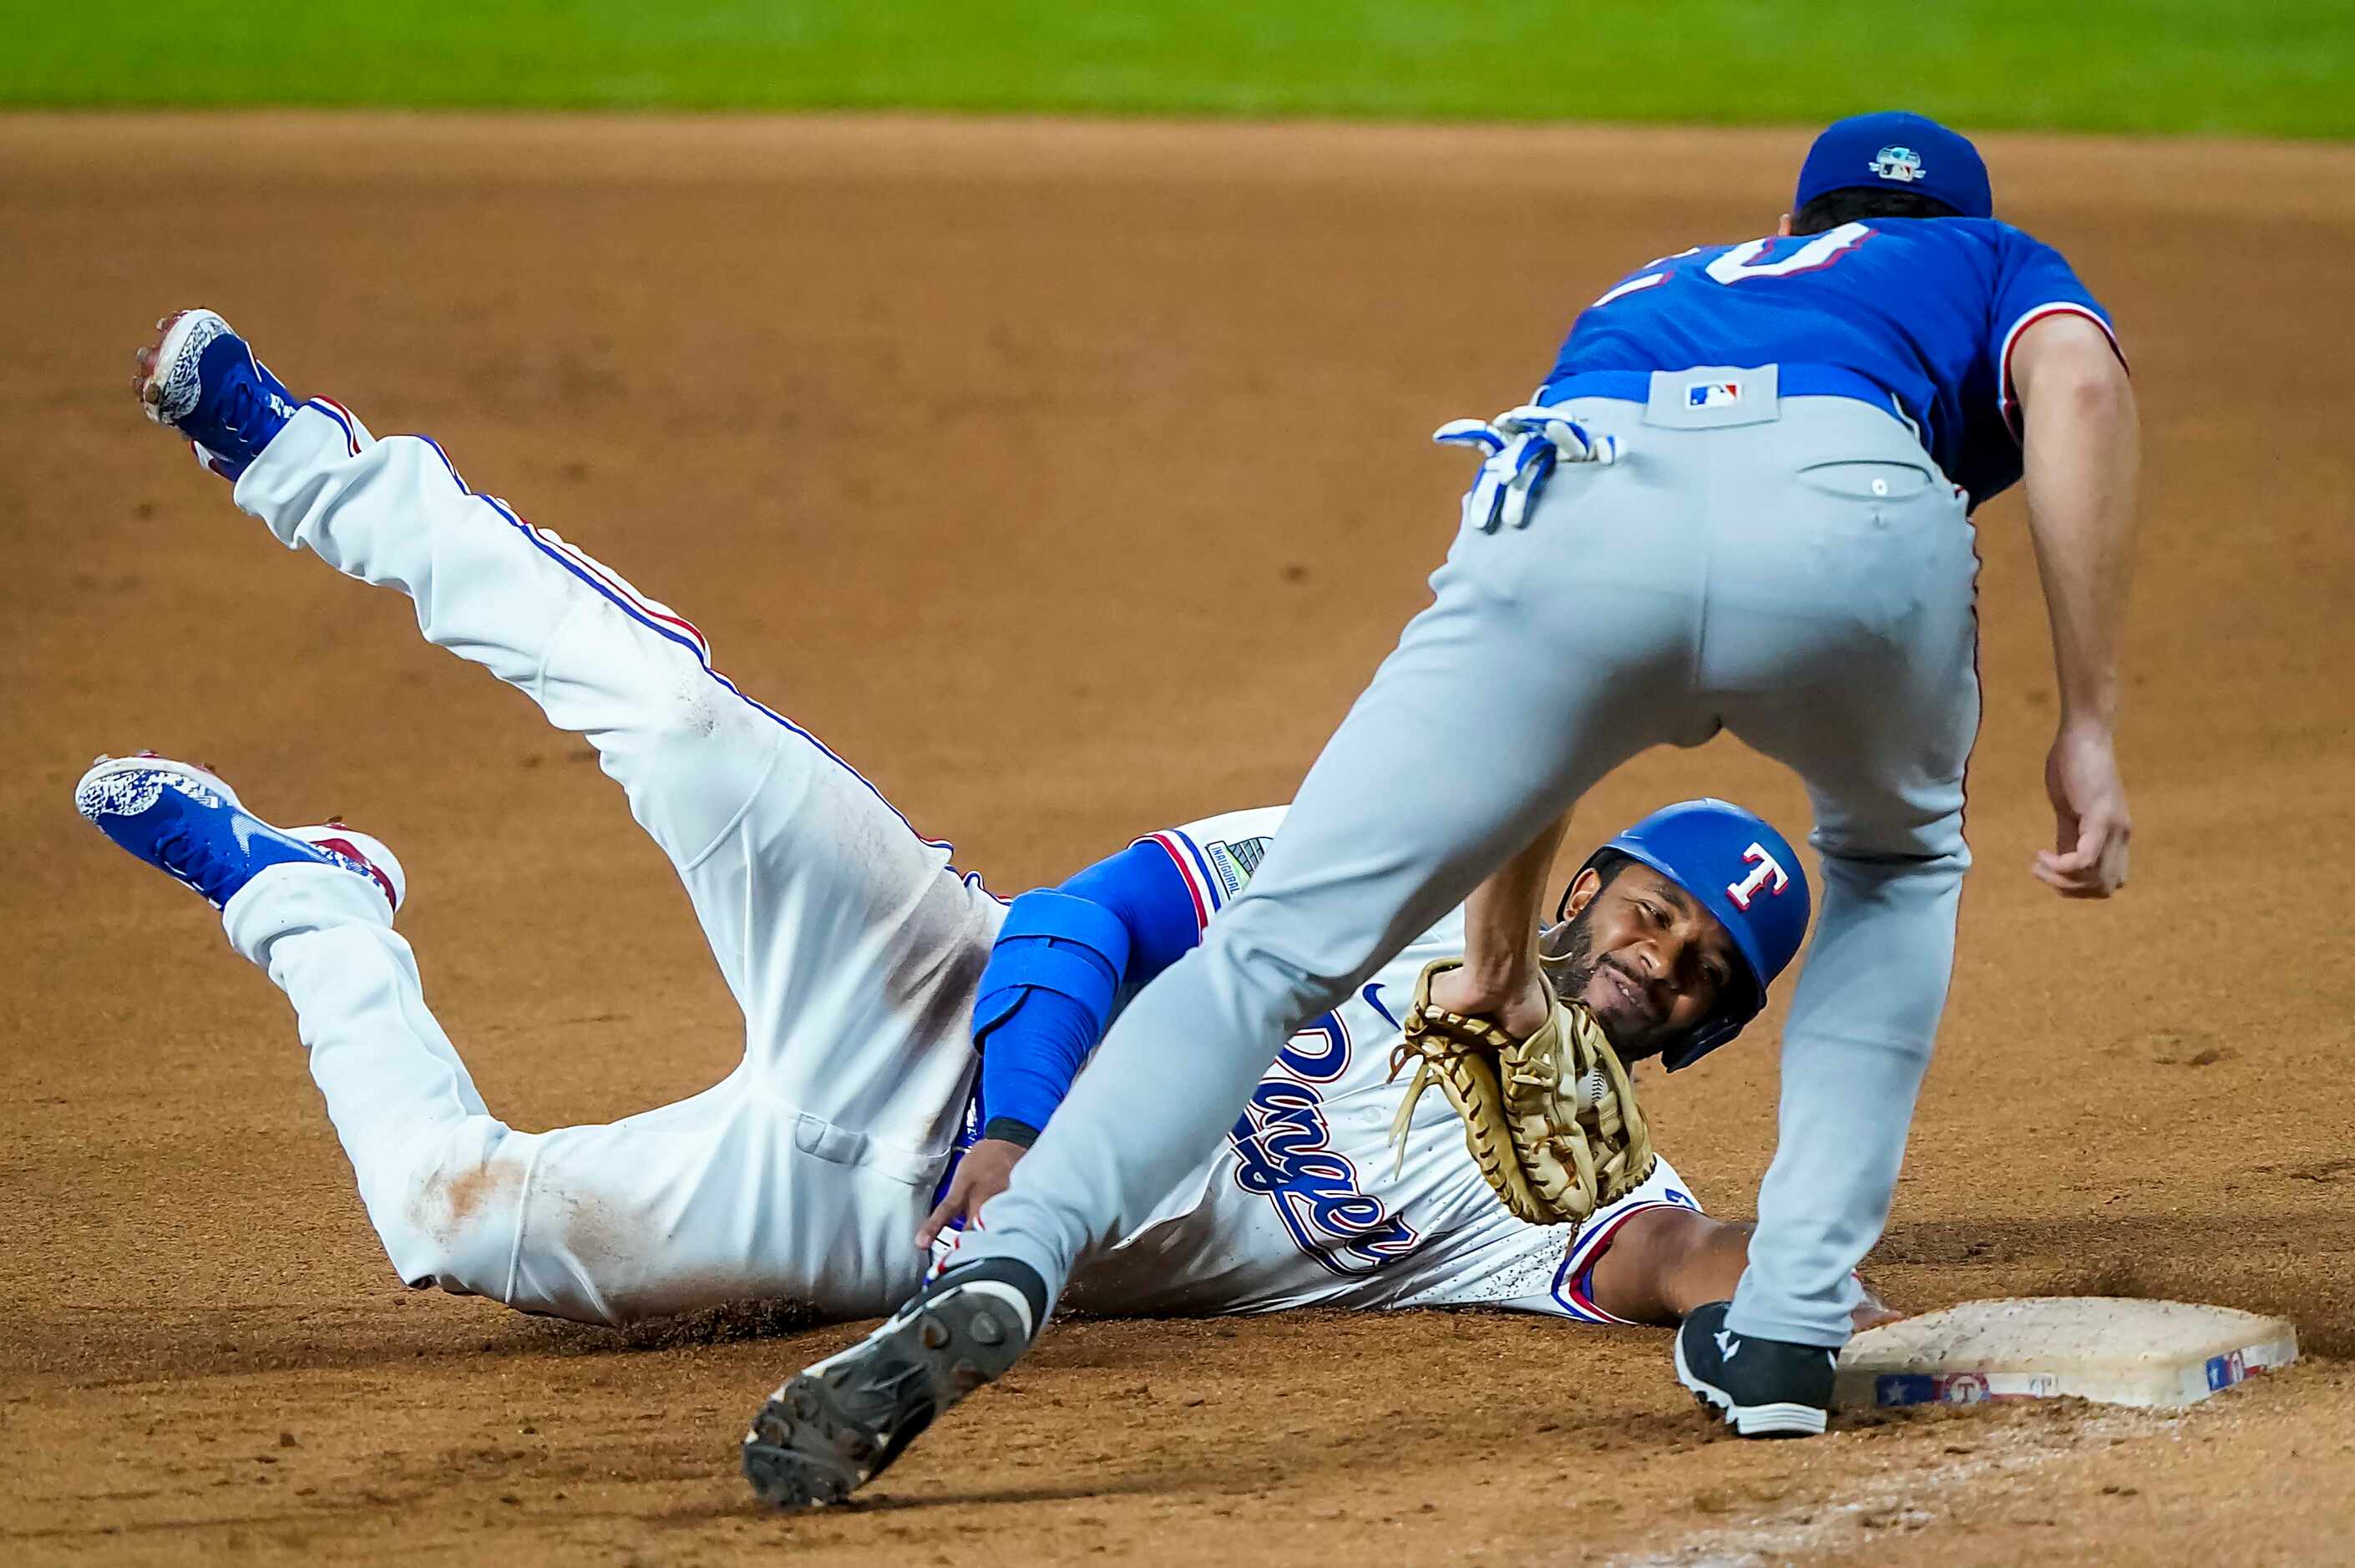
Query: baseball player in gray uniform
[1741,500]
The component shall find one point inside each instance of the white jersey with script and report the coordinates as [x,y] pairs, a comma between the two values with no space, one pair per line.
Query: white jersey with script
[1305,1202]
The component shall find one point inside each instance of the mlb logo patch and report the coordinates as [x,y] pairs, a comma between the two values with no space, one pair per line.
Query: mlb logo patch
[1903,164]
[1712,394]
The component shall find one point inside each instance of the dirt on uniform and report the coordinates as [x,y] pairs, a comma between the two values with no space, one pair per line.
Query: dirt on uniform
[1069,480]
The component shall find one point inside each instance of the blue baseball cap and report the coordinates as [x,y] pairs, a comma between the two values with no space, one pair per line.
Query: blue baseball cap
[1896,150]
[1735,865]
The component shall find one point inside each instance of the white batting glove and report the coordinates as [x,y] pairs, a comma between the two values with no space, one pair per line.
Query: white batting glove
[1523,445]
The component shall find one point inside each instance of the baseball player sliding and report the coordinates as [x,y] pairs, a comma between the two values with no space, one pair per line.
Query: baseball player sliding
[1741,500]
[824,1167]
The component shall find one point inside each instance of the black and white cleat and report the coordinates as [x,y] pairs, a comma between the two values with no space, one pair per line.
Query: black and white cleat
[842,1422]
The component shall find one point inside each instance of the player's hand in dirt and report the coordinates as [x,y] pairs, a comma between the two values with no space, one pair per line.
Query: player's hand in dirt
[1521,1011]
[981,1175]
[2090,827]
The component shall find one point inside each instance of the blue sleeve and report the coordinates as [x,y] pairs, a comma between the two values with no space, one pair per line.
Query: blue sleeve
[1142,886]
[2032,281]
[1064,959]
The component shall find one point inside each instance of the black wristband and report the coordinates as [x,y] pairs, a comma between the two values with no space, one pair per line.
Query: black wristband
[1007,1129]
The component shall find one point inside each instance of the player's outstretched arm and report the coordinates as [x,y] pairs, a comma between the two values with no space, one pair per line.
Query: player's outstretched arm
[1064,959]
[1668,1261]
[2082,451]
[1500,976]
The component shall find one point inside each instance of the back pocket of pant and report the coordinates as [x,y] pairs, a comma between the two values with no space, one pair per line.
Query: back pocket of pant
[1868,480]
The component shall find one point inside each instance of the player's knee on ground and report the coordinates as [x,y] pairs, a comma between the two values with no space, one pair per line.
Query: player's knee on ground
[561,1224]
[450,1214]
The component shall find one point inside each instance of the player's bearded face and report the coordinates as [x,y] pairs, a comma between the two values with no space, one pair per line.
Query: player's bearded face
[1649,961]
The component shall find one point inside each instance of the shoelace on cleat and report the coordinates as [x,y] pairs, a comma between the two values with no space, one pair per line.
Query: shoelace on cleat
[185,857]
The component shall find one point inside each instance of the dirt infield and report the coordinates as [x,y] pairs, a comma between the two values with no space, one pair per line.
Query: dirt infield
[1069,481]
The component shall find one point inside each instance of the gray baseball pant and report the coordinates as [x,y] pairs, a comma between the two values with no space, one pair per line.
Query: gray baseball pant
[1805,578]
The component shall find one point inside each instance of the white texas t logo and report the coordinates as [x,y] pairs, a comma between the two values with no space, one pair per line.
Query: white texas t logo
[1763,869]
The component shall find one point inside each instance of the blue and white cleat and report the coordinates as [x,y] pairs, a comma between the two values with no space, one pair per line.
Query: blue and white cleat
[187,823]
[201,379]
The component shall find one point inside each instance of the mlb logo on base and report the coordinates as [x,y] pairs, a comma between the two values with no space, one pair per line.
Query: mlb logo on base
[1712,394]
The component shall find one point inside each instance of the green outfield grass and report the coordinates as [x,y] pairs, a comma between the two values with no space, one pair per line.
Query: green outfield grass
[2254,67]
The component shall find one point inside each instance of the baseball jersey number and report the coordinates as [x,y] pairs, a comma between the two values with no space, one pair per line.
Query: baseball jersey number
[1740,264]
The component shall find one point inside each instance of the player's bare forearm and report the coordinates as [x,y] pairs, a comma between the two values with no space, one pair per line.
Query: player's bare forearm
[1500,978]
[2084,457]
[1666,1262]
[1663,1263]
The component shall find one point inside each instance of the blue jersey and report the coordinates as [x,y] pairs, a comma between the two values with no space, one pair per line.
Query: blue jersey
[1926,309]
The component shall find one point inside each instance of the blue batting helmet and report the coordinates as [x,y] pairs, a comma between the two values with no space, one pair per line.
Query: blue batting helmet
[1742,871]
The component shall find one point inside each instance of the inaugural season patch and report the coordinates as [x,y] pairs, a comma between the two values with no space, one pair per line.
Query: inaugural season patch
[1235,862]
[1903,164]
